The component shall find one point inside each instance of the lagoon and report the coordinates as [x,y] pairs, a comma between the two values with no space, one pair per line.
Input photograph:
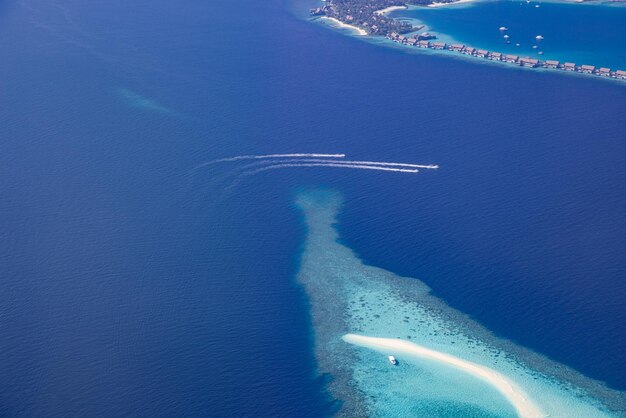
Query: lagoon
[582,33]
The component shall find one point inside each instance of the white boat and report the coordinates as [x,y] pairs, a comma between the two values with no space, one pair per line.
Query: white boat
[393,360]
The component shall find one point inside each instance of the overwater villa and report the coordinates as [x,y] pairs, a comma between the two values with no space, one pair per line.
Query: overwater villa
[418,41]
[469,50]
[529,62]
[569,66]
[587,69]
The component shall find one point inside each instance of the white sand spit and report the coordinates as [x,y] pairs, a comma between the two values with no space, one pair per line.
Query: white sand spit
[438,4]
[510,390]
[340,24]
[389,10]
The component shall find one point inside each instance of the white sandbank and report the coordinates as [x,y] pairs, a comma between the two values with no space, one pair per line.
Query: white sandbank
[389,9]
[511,391]
[454,3]
[340,24]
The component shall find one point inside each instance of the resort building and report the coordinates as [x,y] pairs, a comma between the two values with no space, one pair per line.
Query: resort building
[438,45]
[425,36]
[528,62]
[569,66]
[469,50]
[587,69]
[420,41]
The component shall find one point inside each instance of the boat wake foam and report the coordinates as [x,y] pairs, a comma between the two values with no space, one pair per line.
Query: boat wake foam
[268,162]
[266,156]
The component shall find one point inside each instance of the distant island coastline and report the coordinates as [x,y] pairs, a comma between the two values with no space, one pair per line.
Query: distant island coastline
[370,17]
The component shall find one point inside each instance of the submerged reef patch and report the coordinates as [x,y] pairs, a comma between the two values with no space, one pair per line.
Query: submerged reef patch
[361,314]
[136,100]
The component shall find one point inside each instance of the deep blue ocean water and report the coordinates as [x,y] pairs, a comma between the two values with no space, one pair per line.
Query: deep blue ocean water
[130,287]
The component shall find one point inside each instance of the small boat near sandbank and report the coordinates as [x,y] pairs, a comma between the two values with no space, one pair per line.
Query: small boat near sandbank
[393,360]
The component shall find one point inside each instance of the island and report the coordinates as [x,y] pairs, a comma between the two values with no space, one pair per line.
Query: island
[369,17]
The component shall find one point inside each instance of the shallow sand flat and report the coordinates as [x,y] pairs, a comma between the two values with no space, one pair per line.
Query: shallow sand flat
[514,394]
[349,297]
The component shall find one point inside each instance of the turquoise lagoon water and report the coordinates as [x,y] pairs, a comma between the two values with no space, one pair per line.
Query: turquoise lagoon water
[348,296]
[592,34]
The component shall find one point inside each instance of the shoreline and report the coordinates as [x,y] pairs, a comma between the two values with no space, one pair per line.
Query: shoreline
[446,43]
[390,9]
[449,4]
[509,389]
[342,25]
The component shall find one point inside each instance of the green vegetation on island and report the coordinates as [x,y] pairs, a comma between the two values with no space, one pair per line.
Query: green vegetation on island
[369,14]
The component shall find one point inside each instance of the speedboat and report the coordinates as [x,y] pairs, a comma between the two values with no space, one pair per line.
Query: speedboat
[393,360]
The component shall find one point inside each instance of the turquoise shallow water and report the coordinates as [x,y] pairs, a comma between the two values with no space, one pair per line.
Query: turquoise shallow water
[583,33]
[349,297]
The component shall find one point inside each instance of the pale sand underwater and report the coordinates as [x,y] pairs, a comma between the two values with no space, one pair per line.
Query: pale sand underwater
[515,395]
[432,342]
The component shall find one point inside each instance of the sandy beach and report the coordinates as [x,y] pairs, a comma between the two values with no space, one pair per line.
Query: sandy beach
[340,24]
[389,9]
[454,3]
[511,391]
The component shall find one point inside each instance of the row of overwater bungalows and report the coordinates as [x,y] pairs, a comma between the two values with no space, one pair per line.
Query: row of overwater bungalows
[420,42]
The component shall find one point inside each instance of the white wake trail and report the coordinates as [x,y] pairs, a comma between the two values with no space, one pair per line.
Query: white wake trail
[267,156]
[376,163]
[333,164]
[265,163]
